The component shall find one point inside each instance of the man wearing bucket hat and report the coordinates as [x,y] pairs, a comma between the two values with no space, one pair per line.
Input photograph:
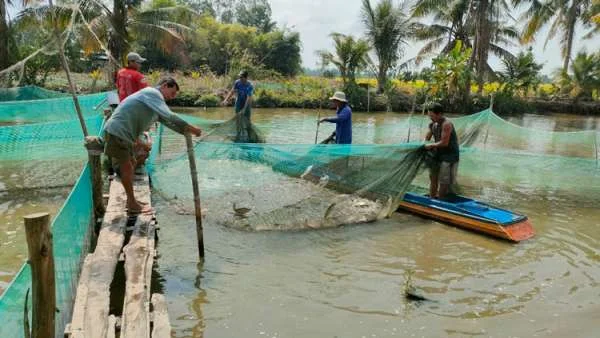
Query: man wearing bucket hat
[342,120]
[244,90]
[129,79]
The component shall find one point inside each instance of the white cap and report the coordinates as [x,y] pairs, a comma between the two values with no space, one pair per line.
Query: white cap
[135,57]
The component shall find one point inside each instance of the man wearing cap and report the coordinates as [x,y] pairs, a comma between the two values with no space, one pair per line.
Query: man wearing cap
[342,120]
[129,79]
[446,154]
[131,118]
[244,90]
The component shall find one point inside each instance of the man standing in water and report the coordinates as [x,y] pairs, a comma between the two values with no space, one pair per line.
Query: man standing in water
[446,155]
[244,90]
[131,118]
[342,120]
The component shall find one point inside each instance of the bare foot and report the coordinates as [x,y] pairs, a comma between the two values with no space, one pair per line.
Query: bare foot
[134,209]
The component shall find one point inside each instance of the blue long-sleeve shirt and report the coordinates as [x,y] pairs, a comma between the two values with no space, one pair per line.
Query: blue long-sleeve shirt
[343,125]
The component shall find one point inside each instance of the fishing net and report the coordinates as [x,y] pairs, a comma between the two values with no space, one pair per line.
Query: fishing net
[486,130]
[290,187]
[49,110]
[71,239]
[28,93]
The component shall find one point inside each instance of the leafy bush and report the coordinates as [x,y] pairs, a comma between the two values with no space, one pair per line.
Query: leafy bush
[185,99]
[209,100]
[266,99]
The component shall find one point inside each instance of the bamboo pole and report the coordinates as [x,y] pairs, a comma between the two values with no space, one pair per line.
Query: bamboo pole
[41,259]
[318,120]
[65,65]
[197,209]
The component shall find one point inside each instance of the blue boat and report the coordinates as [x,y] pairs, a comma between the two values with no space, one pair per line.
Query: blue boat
[472,215]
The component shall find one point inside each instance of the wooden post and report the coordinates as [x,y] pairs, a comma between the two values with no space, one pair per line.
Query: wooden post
[197,209]
[41,259]
[368,99]
[318,119]
[95,150]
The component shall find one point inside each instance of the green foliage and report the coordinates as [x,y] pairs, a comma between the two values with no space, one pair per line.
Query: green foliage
[350,56]
[156,4]
[450,77]
[504,104]
[203,7]
[584,78]
[255,13]
[209,100]
[388,30]
[227,48]
[278,51]
[565,16]
[520,74]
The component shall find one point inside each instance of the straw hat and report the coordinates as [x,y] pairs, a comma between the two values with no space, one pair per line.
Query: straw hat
[339,96]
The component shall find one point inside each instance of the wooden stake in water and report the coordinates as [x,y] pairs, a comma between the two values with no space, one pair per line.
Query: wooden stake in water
[197,209]
[318,124]
[41,260]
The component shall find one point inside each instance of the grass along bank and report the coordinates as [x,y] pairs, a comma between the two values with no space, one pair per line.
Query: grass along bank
[208,90]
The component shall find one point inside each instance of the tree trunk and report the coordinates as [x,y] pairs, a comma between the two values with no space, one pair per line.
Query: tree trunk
[117,41]
[572,20]
[482,42]
[4,38]
[381,78]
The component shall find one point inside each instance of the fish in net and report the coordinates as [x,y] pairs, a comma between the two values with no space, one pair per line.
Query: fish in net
[292,187]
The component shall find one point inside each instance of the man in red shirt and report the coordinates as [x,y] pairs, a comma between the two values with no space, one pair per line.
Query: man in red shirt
[129,79]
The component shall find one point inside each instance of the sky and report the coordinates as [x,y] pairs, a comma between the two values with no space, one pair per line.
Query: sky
[316,19]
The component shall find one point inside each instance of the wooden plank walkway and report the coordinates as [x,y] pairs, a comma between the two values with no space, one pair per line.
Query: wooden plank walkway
[91,317]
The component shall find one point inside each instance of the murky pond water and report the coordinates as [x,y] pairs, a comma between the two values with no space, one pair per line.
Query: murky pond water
[349,281]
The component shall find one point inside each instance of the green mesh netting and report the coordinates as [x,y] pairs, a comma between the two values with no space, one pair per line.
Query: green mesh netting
[267,187]
[286,186]
[42,156]
[48,110]
[46,141]
[28,93]
[71,236]
[486,130]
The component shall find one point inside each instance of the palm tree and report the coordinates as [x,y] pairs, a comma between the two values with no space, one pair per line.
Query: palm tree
[350,56]
[520,73]
[565,16]
[486,16]
[585,77]
[387,29]
[126,21]
[5,36]
[451,24]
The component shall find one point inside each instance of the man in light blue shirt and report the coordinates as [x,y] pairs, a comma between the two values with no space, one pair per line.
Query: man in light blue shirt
[131,118]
